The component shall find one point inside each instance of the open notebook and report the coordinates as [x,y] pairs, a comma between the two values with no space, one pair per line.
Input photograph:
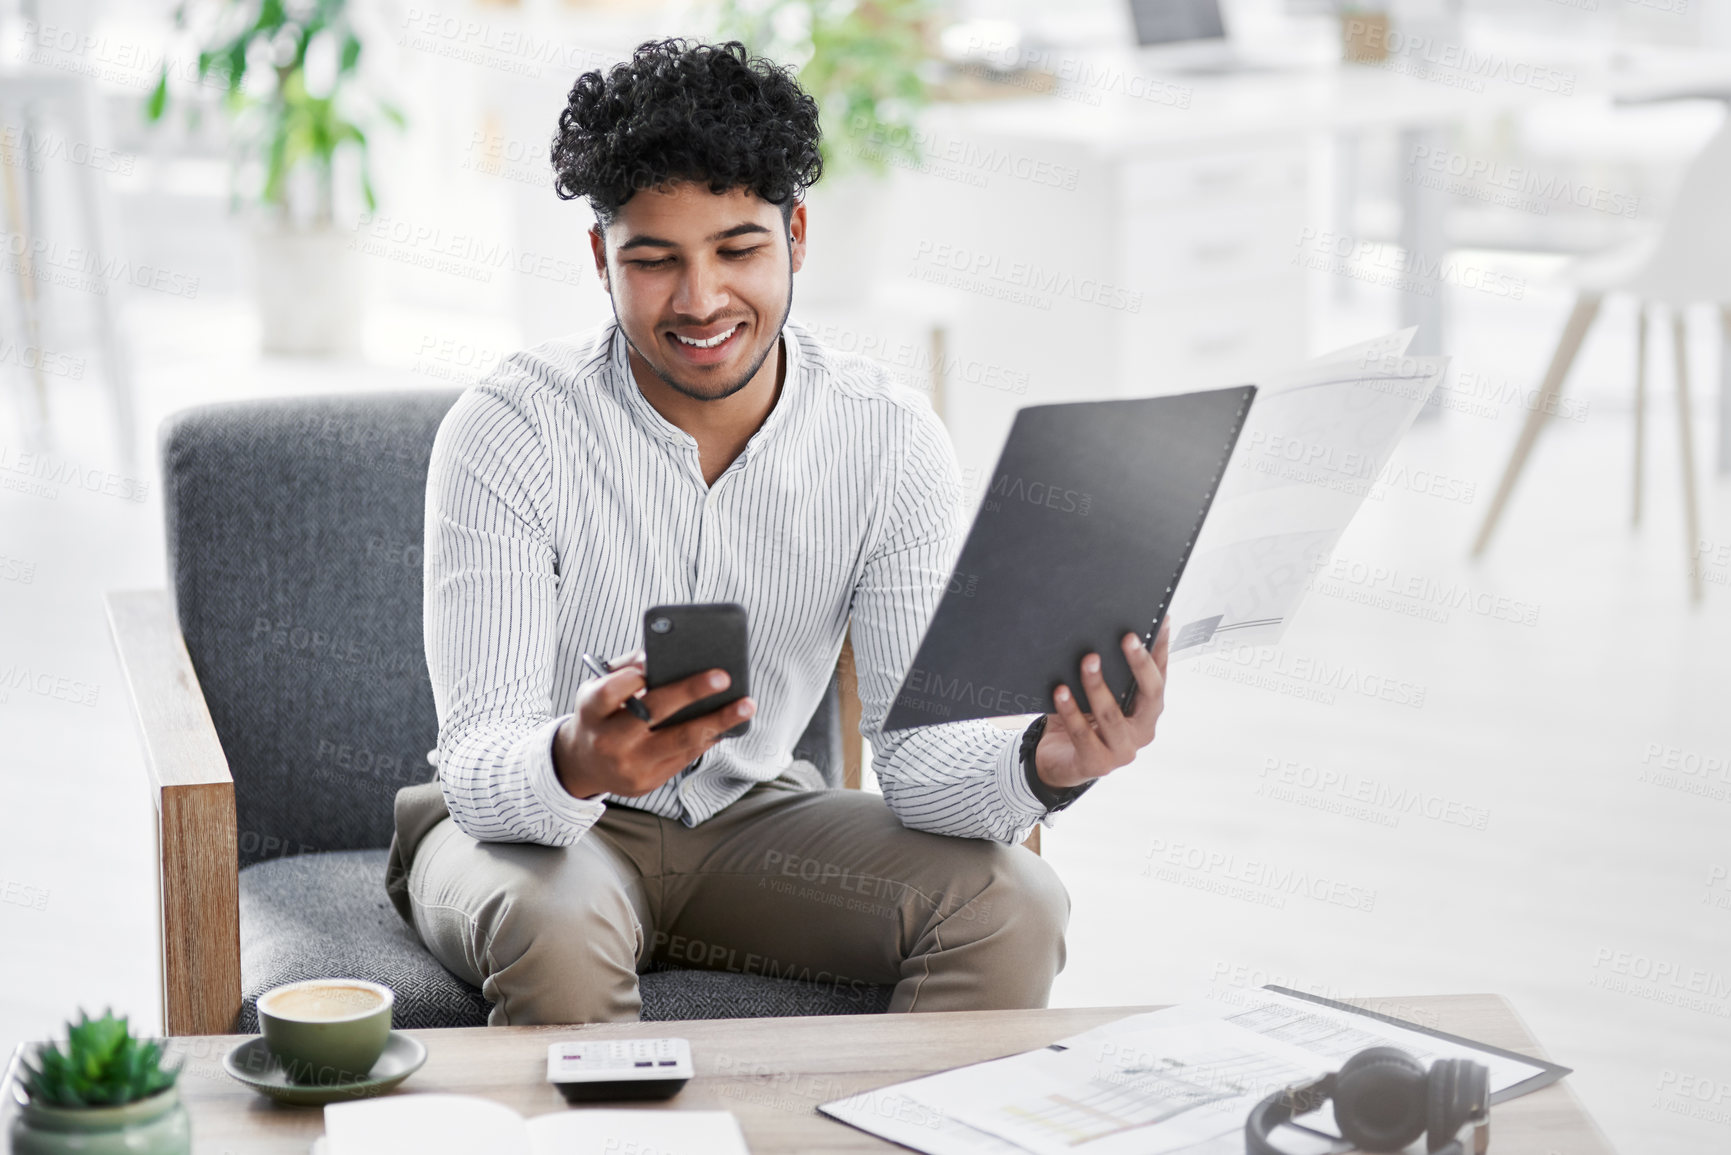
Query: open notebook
[469,1125]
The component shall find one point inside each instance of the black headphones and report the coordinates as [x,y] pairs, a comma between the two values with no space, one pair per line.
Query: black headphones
[1383,1100]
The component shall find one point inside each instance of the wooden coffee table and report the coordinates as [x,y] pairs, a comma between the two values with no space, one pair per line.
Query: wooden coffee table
[772,1073]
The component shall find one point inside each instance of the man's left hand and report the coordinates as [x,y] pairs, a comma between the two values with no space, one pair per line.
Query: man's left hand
[1080,746]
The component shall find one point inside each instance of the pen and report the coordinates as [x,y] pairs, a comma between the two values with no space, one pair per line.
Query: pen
[601,669]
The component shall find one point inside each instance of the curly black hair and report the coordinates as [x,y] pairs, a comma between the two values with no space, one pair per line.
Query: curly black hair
[684,110]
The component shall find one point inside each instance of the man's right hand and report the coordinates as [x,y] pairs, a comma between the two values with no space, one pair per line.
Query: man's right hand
[605,749]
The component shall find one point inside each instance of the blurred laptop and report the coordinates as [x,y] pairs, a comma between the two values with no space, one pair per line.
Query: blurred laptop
[1188,37]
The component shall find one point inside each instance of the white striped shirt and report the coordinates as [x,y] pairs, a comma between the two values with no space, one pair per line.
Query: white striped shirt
[561,505]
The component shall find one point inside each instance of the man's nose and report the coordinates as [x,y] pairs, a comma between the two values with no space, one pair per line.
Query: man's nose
[702,290]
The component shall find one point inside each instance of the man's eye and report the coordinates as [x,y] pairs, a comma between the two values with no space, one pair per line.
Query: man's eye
[658,263]
[736,253]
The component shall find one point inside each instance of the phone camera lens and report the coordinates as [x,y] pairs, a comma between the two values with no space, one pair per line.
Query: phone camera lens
[660,625]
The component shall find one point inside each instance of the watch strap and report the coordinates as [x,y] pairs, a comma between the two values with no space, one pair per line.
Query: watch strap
[1051,797]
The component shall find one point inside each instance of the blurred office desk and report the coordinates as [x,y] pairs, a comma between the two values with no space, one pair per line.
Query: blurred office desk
[1135,234]
[1635,73]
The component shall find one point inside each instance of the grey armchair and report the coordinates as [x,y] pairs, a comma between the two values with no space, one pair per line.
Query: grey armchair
[283,698]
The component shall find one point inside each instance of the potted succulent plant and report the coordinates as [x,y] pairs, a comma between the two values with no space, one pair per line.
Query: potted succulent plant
[865,63]
[298,107]
[107,1093]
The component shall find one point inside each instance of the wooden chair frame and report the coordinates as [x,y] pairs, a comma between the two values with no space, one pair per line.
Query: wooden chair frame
[197,849]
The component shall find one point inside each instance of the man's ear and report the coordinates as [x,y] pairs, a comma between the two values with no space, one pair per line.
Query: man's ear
[796,234]
[598,246]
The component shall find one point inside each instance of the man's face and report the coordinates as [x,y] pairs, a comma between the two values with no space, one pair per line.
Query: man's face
[701,282]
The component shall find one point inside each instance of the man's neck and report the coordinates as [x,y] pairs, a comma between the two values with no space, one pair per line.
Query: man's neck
[721,427]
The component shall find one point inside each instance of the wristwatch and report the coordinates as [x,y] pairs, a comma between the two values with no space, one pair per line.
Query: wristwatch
[1051,797]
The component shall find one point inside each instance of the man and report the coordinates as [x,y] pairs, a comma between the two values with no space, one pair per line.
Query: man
[704,449]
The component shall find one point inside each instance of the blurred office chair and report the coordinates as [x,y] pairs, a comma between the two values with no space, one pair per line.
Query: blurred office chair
[1688,262]
[283,698]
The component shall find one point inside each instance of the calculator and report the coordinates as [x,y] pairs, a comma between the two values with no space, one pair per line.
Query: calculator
[593,1069]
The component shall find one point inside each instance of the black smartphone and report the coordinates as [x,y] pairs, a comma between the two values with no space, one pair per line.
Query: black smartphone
[679,641]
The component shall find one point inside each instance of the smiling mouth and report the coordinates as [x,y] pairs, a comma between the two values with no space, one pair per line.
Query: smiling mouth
[709,342]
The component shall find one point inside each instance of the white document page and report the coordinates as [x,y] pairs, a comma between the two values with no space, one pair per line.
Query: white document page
[1312,448]
[432,1124]
[909,1114]
[592,1131]
[1171,1087]
[1167,1088]
[423,1125]
[904,1114]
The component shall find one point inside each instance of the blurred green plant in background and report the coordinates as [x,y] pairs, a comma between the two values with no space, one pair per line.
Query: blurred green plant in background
[866,63]
[293,95]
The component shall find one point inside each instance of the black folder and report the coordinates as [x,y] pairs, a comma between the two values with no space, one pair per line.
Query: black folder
[1081,535]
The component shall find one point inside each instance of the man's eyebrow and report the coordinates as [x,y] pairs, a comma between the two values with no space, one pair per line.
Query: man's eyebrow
[740,231]
[645,241]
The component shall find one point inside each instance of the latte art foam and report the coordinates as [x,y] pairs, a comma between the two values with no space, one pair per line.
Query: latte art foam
[323,1002]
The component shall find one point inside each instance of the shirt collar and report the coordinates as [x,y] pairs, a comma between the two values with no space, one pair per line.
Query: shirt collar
[794,389]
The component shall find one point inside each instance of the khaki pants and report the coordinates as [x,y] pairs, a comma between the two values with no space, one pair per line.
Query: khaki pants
[825,885]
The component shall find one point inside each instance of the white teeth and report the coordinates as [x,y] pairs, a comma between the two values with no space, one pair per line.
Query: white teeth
[709,344]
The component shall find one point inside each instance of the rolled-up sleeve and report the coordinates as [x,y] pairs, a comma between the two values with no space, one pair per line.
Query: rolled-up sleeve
[489,619]
[958,778]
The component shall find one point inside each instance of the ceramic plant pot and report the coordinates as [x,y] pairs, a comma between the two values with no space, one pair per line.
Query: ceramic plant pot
[309,288]
[154,1126]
